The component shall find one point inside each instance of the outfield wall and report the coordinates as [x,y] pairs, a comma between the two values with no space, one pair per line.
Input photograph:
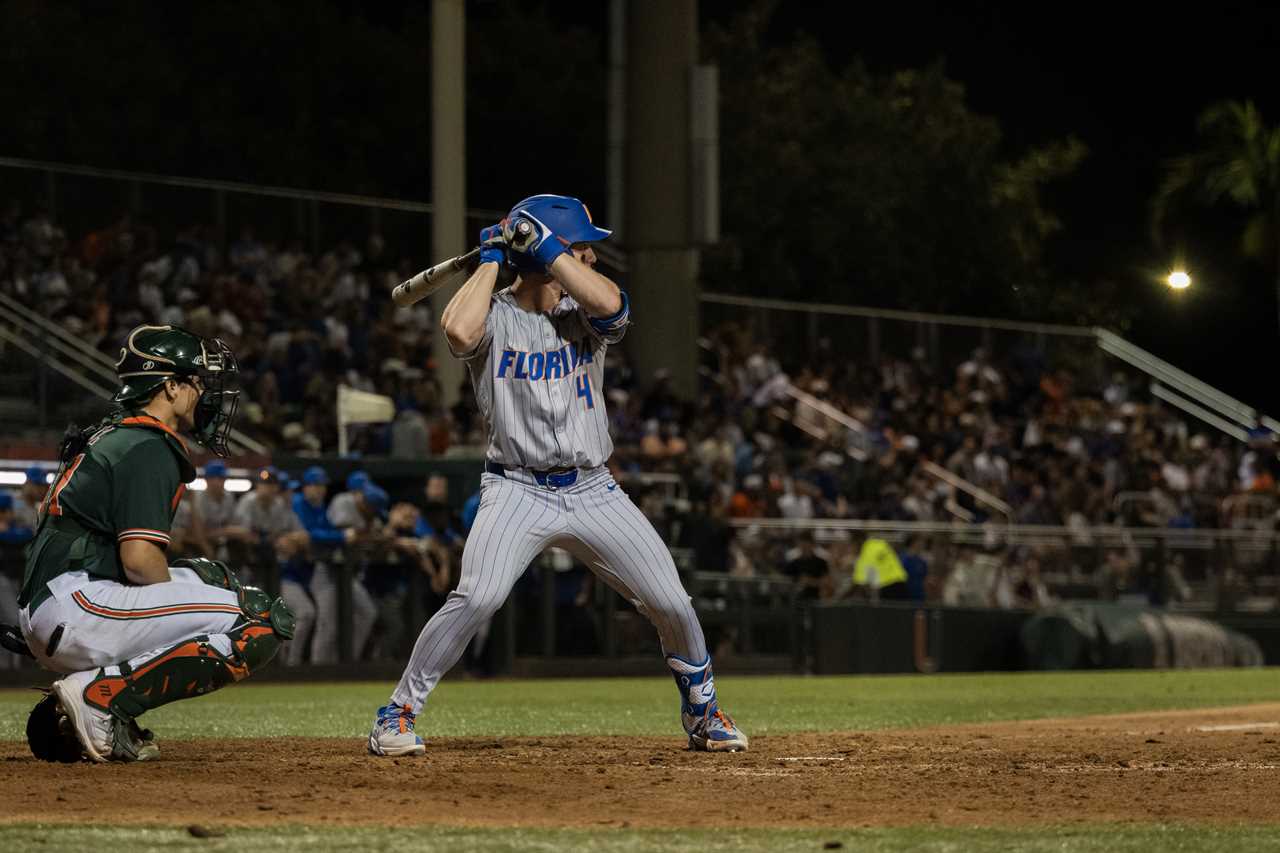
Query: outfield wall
[902,638]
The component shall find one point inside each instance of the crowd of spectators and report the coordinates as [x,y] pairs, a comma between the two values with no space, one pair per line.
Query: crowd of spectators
[299,322]
[1056,449]
[1057,444]
[1076,451]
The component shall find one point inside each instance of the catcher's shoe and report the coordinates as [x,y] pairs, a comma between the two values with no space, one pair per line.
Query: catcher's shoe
[95,729]
[393,733]
[716,732]
[102,736]
[142,742]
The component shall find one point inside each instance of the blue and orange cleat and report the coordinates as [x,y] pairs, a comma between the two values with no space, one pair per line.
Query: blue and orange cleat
[393,733]
[716,732]
[709,729]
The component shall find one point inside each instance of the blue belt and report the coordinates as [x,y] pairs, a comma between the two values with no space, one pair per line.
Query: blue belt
[554,479]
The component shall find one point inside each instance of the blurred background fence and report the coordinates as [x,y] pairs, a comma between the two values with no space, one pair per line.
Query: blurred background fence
[559,620]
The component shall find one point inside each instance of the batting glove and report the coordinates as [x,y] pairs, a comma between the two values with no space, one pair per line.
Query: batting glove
[527,235]
[493,245]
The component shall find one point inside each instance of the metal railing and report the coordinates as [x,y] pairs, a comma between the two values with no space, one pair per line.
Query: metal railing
[610,256]
[63,341]
[813,415]
[1218,569]
[1168,383]
[78,360]
[892,314]
[64,370]
[1197,391]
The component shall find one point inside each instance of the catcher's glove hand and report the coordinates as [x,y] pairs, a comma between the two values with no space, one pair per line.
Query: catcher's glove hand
[527,235]
[50,733]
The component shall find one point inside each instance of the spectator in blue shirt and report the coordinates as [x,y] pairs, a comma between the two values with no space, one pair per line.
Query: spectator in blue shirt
[917,568]
[343,509]
[309,504]
[321,585]
[13,530]
[26,505]
[469,511]
[13,535]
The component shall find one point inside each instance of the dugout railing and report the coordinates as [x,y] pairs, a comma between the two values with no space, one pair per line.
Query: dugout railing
[560,620]
[1195,569]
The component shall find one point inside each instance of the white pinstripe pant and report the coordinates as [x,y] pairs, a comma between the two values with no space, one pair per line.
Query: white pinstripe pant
[596,522]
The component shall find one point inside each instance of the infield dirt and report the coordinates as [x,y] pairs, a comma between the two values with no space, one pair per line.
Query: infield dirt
[1183,766]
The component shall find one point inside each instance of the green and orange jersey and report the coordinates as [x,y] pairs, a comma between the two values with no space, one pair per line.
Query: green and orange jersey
[125,485]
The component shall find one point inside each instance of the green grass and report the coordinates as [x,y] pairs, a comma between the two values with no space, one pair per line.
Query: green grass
[647,706]
[1085,839]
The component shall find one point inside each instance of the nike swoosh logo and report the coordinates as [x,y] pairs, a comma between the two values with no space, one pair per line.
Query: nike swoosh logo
[611,488]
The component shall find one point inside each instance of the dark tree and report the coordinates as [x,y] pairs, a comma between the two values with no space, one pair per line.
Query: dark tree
[860,188]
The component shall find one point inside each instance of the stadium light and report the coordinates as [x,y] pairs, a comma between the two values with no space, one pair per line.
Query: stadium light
[233,484]
[1179,280]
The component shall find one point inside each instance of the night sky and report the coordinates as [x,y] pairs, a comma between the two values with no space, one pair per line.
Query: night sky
[1130,82]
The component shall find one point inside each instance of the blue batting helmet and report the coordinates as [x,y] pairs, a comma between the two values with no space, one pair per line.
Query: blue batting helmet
[376,497]
[567,217]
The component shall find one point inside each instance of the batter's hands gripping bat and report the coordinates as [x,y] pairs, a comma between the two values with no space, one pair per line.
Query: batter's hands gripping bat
[429,281]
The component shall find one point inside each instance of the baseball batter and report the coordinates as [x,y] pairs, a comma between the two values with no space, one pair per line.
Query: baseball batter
[535,352]
[100,602]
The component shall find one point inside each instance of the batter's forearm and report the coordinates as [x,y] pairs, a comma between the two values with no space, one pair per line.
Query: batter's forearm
[596,293]
[464,317]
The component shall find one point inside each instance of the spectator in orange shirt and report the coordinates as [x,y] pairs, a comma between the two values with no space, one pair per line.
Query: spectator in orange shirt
[748,501]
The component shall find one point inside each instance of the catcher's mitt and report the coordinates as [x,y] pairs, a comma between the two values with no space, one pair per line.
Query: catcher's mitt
[49,732]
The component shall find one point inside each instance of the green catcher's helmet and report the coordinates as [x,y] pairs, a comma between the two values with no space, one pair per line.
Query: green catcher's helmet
[153,354]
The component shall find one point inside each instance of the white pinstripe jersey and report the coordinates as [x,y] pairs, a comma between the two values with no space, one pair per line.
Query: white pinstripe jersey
[538,380]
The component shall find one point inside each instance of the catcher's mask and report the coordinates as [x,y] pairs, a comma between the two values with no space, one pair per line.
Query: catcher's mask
[154,354]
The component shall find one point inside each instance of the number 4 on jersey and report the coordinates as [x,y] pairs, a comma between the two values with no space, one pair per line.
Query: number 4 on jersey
[584,390]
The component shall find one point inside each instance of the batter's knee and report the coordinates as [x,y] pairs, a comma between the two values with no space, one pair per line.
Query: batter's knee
[473,605]
[675,608]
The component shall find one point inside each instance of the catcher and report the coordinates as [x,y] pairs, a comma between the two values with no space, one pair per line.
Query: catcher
[100,603]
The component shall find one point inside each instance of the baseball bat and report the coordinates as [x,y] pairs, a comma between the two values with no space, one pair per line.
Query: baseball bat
[430,280]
